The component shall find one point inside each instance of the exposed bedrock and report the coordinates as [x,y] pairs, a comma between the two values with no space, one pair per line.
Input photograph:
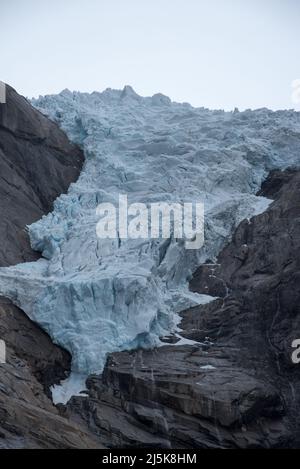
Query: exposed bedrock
[95,296]
[234,385]
[230,382]
[37,163]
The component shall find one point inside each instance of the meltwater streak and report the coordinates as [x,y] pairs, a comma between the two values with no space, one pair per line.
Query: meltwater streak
[96,296]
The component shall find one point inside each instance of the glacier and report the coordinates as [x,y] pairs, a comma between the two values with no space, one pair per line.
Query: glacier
[94,296]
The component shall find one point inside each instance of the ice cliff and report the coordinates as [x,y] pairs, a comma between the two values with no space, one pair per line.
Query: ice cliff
[97,296]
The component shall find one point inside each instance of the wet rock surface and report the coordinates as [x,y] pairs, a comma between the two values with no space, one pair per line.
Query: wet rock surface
[37,163]
[234,385]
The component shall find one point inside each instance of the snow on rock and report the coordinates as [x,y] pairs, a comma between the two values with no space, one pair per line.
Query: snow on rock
[97,296]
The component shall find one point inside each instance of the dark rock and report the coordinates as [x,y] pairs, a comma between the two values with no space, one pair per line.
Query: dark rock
[37,163]
[275,181]
[235,386]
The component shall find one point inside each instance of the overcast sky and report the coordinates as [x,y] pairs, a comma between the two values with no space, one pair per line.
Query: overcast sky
[213,53]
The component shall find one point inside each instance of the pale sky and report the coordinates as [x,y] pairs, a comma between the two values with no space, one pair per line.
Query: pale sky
[213,53]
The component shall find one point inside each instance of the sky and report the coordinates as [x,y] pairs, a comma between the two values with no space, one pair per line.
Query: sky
[219,54]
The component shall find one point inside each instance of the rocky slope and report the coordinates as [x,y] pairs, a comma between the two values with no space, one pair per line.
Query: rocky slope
[234,385]
[37,163]
[94,295]
[229,381]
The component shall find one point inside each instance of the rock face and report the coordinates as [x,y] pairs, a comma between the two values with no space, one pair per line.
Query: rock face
[228,383]
[37,163]
[28,419]
[95,295]
[233,383]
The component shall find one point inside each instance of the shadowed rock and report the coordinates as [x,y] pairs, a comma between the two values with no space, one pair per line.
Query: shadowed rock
[235,386]
[37,164]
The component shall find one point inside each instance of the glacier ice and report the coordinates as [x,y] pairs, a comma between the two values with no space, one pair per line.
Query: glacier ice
[97,296]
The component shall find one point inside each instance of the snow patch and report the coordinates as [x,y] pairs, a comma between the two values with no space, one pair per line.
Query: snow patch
[208,367]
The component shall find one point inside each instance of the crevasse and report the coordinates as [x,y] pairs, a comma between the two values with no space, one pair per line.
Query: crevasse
[96,296]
